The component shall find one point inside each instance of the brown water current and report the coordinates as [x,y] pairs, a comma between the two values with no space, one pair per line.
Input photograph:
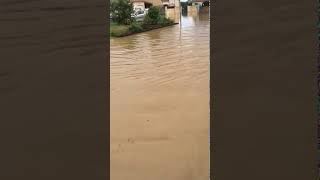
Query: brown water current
[160,102]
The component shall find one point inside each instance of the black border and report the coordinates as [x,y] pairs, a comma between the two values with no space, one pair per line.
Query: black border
[54,90]
[54,81]
[263,90]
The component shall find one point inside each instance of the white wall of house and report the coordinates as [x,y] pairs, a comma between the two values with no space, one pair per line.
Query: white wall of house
[155,2]
[138,5]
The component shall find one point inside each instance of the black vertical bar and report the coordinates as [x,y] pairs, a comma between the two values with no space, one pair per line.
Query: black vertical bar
[54,90]
[263,88]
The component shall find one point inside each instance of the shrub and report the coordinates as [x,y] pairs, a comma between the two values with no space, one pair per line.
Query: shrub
[152,16]
[164,21]
[121,11]
[135,27]
[147,20]
[118,30]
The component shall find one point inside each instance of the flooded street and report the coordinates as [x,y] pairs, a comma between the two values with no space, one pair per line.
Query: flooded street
[160,102]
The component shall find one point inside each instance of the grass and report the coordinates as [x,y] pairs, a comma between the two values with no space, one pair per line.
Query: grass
[117,30]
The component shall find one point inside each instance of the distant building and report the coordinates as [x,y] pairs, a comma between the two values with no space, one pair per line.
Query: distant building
[197,5]
[140,4]
[169,3]
[143,4]
[198,2]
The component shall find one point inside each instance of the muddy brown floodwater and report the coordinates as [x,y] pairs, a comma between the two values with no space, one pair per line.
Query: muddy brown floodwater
[160,103]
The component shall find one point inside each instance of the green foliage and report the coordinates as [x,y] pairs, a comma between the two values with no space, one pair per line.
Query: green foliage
[135,27]
[152,16]
[164,21]
[206,4]
[154,12]
[147,20]
[118,30]
[121,11]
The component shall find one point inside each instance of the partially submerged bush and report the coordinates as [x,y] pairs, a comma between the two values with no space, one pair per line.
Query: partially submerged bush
[135,27]
[152,16]
[147,20]
[165,21]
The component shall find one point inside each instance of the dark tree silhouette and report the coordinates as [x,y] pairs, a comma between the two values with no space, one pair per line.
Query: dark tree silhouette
[121,11]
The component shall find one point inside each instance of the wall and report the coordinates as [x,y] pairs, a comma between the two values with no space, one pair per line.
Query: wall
[138,5]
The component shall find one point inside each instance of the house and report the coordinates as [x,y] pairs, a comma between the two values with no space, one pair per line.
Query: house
[168,3]
[197,5]
[198,2]
[140,4]
[144,4]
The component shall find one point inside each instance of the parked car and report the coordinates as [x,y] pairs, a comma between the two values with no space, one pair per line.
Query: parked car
[139,15]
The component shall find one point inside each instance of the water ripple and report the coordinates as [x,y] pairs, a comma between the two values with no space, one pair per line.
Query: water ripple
[163,57]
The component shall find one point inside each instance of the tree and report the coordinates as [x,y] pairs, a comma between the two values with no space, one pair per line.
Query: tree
[121,11]
[206,3]
[153,15]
